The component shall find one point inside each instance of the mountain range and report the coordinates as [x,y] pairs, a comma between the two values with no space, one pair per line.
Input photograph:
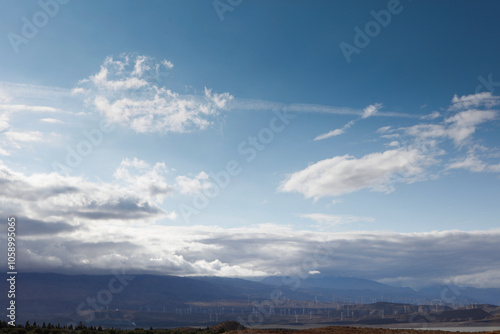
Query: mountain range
[59,298]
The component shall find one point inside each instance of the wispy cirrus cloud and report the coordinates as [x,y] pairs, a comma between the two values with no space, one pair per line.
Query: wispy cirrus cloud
[371,110]
[336,132]
[367,112]
[431,116]
[52,121]
[475,160]
[24,107]
[13,140]
[133,195]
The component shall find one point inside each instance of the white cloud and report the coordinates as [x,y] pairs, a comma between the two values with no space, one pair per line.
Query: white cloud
[483,279]
[414,153]
[459,127]
[384,129]
[79,90]
[393,143]
[17,139]
[474,164]
[326,220]
[4,121]
[145,181]
[24,107]
[345,174]
[102,81]
[463,124]
[494,168]
[135,194]
[129,92]
[485,99]
[4,152]
[187,185]
[4,97]
[261,250]
[52,120]
[167,64]
[371,110]
[368,111]
[28,136]
[140,66]
[332,133]
[471,163]
[426,131]
[431,116]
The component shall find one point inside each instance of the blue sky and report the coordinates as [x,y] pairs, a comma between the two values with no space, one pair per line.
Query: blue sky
[178,137]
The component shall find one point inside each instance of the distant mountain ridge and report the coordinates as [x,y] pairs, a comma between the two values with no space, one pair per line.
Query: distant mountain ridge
[62,298]
[329,282]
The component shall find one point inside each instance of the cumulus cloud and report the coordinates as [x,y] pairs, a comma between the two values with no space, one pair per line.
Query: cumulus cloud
[146,181]
[130,91]
[346,174]
[135,194]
